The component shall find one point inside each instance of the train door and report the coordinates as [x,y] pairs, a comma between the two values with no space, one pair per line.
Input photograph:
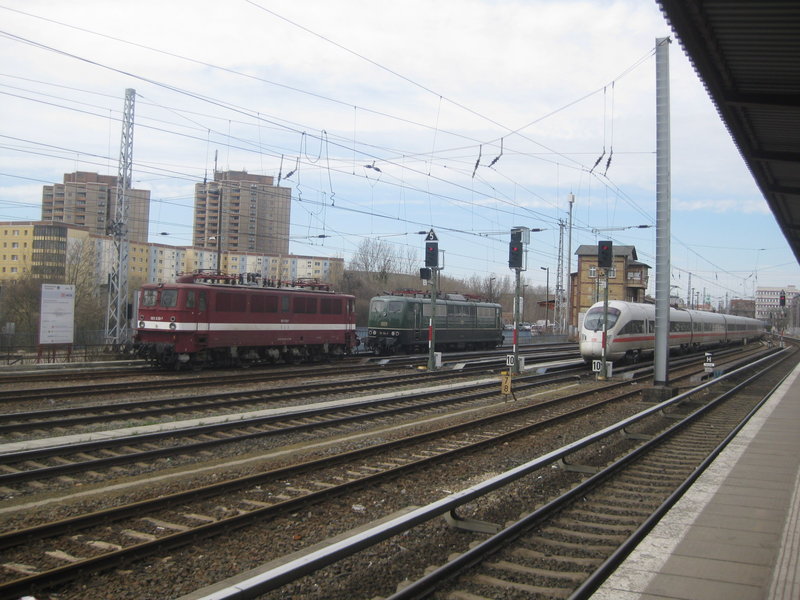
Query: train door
[417,322]
[197,307]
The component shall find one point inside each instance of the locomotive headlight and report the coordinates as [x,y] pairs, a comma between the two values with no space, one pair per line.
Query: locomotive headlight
[173,326]
[396,333]
[172,319]
[141,324]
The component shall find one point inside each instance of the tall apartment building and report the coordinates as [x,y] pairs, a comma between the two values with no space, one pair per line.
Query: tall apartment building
[90,200]
[239,212]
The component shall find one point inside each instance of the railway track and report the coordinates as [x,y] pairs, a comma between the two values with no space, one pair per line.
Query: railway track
[73,459]
[49,553]
[566,548]
[143,451]
[43,423]
[58,386]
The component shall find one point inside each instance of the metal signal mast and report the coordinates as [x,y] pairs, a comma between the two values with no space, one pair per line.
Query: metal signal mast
[559,293]
[117,331]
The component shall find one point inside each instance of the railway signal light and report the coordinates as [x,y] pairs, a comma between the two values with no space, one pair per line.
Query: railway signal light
[515,250]
[783,298]
[431,254]
[605,254]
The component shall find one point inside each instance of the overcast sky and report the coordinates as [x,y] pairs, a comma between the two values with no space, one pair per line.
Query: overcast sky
[467,117]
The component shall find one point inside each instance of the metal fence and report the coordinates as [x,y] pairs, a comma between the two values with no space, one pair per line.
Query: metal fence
[23,348]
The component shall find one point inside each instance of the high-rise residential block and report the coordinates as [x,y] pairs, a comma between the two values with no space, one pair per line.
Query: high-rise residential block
[90,200]
[240,212]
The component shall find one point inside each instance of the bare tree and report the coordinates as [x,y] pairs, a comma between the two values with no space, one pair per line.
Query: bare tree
[375,257]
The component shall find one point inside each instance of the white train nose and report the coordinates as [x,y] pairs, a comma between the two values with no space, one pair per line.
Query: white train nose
[592,345]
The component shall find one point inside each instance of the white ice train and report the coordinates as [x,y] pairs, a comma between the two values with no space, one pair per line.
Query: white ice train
[631,330]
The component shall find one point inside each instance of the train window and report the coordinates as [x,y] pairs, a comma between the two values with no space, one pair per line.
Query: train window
[190,299]
[169,298]
[651,326]
[395,307]
[377,306]
[330,306]
[633,327]
[228,302]
[304,305]
[486,312]
[441,310]
[202,303]
[594,318]
[285,304]
[149,297]
[263,303]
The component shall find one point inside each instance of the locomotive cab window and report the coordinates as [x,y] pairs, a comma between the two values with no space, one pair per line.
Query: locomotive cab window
[169,298]
[190,299]
[149,297]
[377,306]
[395,307]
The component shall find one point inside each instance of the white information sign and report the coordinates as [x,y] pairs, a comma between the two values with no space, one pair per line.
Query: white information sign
[57,319]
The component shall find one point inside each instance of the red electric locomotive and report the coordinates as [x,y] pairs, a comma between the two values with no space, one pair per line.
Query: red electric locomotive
[219,320]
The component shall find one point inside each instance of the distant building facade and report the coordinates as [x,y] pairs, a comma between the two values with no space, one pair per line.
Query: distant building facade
[240,212]
[47,250]
[90,200]
[768,300]
[743,308]
[627,279]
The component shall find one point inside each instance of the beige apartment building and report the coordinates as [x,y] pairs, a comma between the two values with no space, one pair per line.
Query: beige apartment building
[627,279]
[90,200]
[240,212]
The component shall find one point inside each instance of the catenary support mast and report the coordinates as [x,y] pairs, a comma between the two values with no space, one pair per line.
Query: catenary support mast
[117,331]
[663,200]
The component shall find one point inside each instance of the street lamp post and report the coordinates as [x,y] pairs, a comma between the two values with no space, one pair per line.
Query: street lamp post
[218,239]
[546,297]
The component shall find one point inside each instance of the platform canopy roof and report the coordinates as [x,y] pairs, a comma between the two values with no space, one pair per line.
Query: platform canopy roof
[747,53]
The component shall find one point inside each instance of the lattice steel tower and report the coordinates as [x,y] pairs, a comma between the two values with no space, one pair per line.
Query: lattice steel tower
[117,330]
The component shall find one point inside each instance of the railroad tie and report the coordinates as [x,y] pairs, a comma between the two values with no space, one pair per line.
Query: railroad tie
[550,592]
[63,556]
[166,524]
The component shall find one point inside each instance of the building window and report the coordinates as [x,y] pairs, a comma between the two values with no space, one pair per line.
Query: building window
[592,272]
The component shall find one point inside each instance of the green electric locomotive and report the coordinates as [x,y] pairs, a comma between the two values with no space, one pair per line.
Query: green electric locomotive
[400,323]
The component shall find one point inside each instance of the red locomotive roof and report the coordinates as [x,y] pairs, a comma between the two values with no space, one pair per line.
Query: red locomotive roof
[251,280]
